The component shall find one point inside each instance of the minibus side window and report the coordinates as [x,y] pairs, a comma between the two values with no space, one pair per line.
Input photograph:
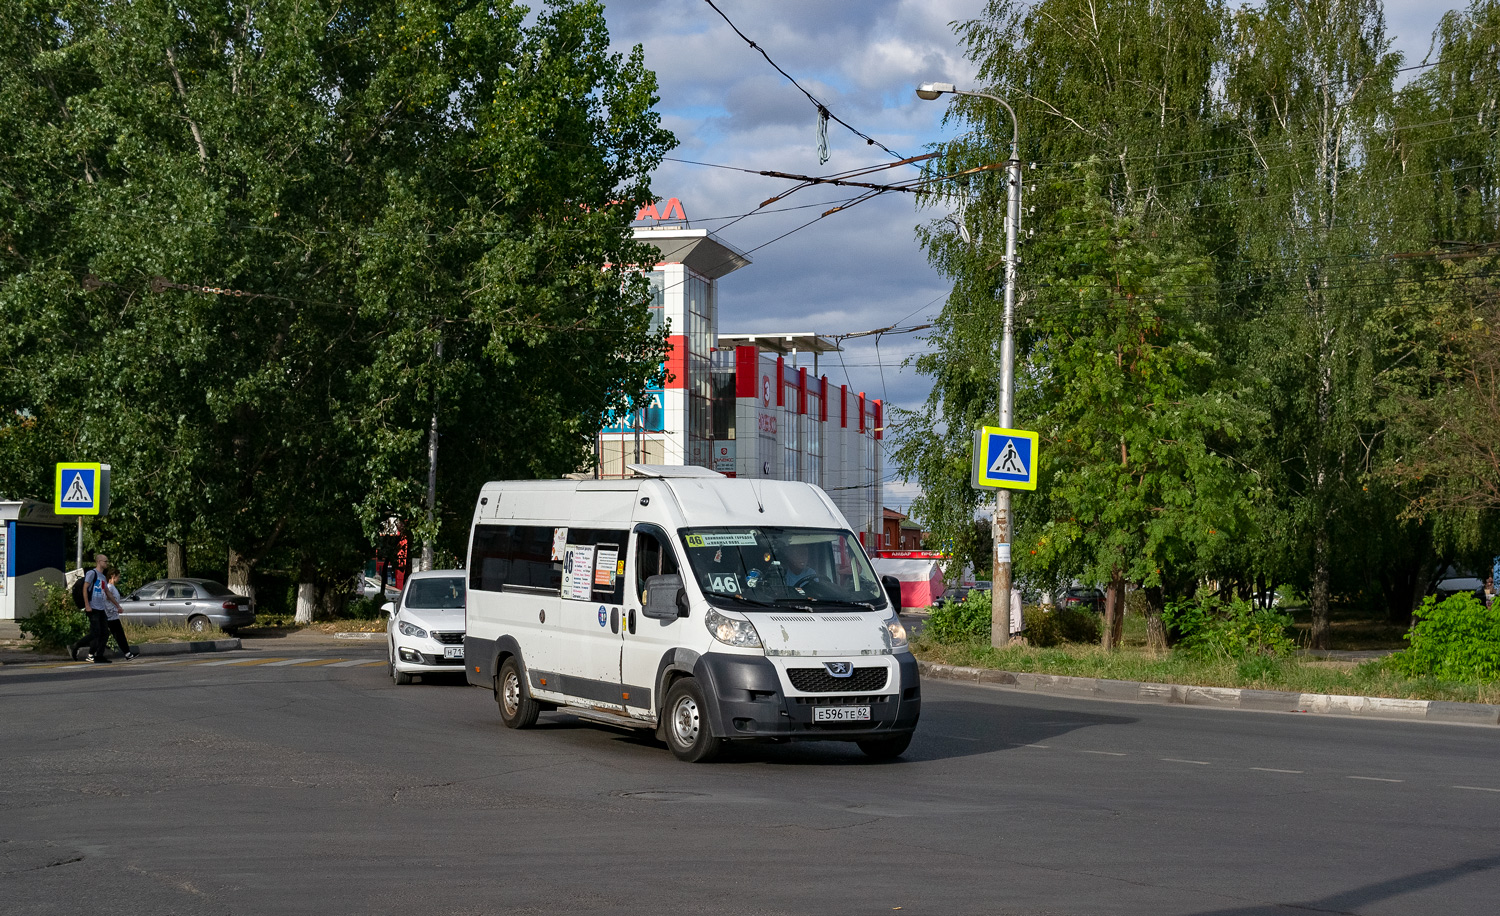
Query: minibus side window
[489,561]
[532,565]
[653,557]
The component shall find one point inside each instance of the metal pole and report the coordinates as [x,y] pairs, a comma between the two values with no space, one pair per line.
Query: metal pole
[1002,525]
[80,542]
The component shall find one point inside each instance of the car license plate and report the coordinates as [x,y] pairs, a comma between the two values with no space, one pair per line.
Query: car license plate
[841,713]
[453,652]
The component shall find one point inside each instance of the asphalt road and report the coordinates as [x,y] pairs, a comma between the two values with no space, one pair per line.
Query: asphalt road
[315,786]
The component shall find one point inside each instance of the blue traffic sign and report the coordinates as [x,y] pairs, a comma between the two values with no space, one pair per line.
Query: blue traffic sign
[82,489]
[1004,458]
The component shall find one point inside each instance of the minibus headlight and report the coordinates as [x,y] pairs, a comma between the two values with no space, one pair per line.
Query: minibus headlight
[731,632]
[895,631]
[410,630]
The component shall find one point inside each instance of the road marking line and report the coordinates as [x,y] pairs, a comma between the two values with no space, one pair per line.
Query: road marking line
[383,664]
[255,662]
[319,661]
[1477,788]
[226,661]
[1201,763]
[1374,779]
[348,664]
[958,738]
[289,661]
[1107,753]
[1037,745]
[1273,770]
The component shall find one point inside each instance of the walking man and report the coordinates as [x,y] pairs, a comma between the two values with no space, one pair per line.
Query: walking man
[94,603]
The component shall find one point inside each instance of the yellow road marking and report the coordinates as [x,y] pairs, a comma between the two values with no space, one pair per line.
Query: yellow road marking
[316,662]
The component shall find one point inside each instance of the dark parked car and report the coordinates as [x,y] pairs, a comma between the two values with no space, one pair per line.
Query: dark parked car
[1083,599]
[198,603]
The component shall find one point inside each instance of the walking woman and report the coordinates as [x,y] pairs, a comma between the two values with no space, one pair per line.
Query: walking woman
[112,611]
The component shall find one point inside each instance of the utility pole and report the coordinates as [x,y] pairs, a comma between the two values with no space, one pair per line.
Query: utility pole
[1002,526]
[428,547]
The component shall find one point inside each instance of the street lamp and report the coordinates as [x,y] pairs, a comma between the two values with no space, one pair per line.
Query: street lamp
[1000,595]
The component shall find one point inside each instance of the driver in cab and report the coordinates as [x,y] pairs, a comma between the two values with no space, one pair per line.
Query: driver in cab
[796,567]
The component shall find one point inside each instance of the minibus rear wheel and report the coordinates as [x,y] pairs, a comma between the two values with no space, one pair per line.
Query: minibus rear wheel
[517,708]
[687,729]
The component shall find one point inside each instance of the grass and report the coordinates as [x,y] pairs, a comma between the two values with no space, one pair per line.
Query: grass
[168,632]
[1136,663]
[286,623]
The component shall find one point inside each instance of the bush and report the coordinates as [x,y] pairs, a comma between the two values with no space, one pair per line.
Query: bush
[1046,628]
[1455,639]
[365,609]
[960,621]
[56,623]
[1208,628]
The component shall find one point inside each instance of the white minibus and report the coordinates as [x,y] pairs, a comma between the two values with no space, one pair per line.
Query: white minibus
[703,607]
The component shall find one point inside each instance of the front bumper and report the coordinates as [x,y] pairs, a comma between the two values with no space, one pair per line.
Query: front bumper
[747,700]
[414,656]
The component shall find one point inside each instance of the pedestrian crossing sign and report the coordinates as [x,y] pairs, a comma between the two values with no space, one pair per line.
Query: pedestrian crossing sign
[82,489]
[1004,458]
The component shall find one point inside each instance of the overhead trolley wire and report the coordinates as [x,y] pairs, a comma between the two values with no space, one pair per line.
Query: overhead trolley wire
[823,109]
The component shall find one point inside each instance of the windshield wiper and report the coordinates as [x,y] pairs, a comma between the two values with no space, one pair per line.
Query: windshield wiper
[736,597]
[867,605]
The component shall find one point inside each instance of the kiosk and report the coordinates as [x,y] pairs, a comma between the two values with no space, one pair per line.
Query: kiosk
[33,547]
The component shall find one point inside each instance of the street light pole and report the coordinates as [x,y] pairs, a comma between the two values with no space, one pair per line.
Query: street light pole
[1000,631]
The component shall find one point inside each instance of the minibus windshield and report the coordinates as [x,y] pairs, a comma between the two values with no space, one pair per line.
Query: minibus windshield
[781,567]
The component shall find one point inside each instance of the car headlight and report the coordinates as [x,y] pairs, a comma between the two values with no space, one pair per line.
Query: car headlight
[411,630]
[895,632]
[731,632]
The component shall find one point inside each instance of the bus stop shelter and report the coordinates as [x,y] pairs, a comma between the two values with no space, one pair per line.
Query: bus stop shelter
[33,548]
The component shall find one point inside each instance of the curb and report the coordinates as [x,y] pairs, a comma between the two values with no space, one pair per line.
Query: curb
[183,648]
[1442,711]
[360,635]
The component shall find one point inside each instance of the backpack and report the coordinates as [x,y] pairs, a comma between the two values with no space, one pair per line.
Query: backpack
[79,585]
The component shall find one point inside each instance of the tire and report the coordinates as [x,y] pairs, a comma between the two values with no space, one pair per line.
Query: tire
[517,708]
[685,722]
[400,677]
[885,748]
[198,624]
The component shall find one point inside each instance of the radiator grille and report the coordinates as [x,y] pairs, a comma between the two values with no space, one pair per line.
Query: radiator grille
[818,680]
[449,639]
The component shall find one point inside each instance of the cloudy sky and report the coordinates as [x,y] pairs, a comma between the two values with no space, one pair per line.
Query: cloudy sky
[856,270]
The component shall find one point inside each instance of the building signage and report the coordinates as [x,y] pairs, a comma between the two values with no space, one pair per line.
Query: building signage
[724,456]
[1004,458]
[648,417]
[670,207]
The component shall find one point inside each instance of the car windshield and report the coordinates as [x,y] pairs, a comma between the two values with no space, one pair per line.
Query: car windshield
[447,593]
[781,567]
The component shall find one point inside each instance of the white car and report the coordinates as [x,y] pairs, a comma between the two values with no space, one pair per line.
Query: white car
[426,626]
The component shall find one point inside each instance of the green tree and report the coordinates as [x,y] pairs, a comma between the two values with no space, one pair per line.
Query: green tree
[234,233]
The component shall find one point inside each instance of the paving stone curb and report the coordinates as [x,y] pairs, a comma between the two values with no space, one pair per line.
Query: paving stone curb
[1223,697]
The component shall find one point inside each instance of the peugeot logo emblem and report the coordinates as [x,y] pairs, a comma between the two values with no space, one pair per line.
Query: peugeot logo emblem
[839,669]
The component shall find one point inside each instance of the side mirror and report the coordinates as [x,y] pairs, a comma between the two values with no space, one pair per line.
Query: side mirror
[666,599]
[892,587]
[390,609]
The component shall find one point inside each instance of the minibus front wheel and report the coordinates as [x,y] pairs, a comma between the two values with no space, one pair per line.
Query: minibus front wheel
[686,713]
[886,748]
[517,708]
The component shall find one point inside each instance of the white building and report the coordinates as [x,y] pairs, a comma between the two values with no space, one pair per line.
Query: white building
[745,405]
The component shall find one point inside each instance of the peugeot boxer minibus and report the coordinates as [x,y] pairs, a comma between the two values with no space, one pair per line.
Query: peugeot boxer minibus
[703,607]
